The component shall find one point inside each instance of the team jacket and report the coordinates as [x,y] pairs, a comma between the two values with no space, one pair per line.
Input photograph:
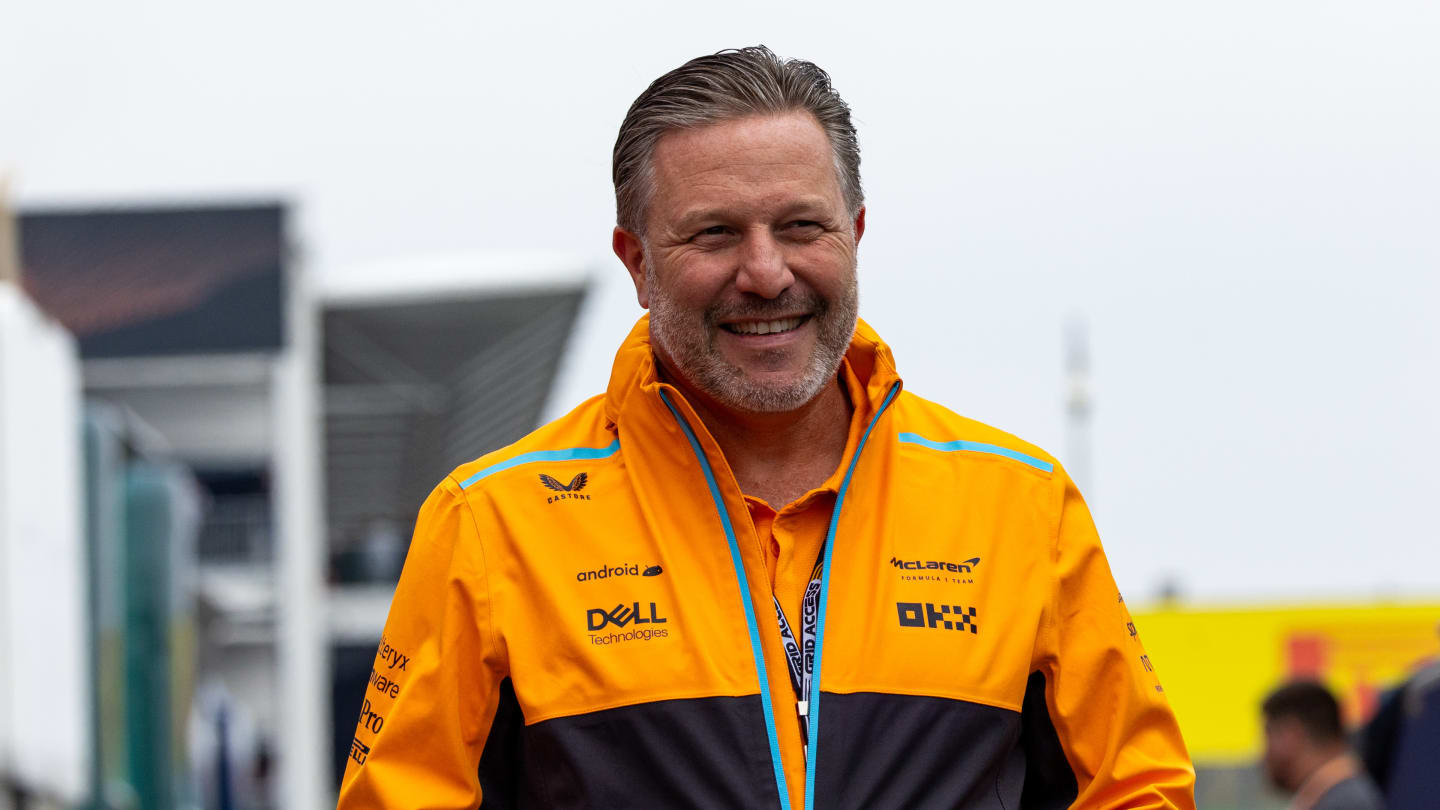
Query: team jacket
[584,621]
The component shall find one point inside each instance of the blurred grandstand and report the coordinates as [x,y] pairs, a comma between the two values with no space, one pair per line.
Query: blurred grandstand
[222,577]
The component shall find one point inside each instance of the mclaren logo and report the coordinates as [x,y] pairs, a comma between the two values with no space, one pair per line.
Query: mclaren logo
[936,565]
[936,570]
[566,492]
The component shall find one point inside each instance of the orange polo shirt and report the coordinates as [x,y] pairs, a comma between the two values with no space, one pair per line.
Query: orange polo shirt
[793,536]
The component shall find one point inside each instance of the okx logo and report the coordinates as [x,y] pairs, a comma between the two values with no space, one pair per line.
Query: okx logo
[566,492]
[621,616]
[924,614]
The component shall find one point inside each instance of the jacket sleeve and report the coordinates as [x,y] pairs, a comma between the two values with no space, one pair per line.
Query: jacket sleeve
[434,687]
[1107,706]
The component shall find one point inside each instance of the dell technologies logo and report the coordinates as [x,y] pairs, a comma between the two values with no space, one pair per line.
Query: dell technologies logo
[621,616]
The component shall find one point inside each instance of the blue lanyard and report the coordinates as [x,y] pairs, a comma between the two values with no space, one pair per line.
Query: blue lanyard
[800,652]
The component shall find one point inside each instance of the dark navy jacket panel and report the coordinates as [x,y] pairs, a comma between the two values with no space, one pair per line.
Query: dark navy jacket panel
[702,753]
[888,752]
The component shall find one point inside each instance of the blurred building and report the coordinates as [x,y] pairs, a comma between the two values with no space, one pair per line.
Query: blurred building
[45,700]
[186,322]
[313,421]
[429,362]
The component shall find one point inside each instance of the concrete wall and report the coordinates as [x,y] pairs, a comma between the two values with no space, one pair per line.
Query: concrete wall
[44,656]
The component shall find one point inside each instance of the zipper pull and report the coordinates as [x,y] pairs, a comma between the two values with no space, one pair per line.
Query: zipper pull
[802,708]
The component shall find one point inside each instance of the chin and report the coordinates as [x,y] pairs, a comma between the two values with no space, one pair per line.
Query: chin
[741,391]
[768,381]
[1278,782]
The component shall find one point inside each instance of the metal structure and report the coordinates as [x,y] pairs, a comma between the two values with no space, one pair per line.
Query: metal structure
[428,362]
[1079,406]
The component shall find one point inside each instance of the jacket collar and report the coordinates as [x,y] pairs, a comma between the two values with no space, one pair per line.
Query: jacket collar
[633,376]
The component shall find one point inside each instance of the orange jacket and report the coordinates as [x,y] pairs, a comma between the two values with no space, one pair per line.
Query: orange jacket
[584,620]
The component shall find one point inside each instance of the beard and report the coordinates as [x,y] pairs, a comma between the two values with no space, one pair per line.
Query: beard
[687,338]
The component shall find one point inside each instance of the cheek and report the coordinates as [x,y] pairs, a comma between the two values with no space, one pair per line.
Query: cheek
[827,266]
[833,248]
[695,280]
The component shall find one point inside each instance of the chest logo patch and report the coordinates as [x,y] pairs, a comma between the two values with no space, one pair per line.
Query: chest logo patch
[621,616]
[926,615]
[937,570]
[566,492]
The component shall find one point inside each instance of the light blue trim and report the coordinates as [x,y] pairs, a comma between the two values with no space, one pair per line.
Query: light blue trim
[568,454]
[977,447]
[828,551]
[756,651]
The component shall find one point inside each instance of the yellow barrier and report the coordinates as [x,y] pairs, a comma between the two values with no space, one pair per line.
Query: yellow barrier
[1217,665]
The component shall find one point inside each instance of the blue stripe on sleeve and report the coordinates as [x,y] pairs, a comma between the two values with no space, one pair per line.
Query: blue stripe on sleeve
[977,447]
[568,454]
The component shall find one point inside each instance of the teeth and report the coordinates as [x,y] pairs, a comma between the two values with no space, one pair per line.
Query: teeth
[765,327]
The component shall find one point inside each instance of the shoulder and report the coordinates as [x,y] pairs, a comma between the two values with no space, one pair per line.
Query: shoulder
[926,425]
[1355,793]
[581,435]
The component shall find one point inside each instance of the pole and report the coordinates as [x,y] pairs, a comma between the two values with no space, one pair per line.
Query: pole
[1079,405]
[303,660]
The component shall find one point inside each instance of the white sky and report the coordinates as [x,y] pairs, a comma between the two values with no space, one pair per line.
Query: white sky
[1242,199]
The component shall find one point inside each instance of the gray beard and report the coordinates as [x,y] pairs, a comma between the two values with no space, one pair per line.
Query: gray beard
[686,338]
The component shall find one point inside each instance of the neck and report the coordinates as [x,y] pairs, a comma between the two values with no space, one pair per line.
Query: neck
[1312,763]
[776,457]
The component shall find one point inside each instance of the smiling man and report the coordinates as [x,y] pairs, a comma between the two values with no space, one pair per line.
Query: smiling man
[775,579]
[745,257]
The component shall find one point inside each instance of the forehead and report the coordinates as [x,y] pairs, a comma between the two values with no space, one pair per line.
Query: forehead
[745,161]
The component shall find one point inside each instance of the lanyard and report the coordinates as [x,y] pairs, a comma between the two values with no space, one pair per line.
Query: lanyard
[812,706]
[800,652]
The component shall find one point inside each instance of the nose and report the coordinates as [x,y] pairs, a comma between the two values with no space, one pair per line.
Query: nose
[763,269]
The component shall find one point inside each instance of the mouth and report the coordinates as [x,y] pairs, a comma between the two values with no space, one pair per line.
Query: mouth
[771,327]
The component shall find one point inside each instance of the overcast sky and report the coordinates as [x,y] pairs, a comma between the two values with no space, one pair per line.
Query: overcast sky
[1242,200]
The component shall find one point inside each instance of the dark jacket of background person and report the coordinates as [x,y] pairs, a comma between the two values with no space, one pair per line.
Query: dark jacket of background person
[1401,745]
[1355,793]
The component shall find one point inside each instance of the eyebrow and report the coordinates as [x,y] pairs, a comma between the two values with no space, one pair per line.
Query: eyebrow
[696,216]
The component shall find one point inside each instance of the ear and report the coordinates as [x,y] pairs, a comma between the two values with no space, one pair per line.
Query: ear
[631,252]
[859,224]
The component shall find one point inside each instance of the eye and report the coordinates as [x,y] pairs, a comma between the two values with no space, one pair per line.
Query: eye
[804,228]
[713,234]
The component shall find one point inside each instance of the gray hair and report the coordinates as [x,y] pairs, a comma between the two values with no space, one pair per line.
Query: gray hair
[722,87]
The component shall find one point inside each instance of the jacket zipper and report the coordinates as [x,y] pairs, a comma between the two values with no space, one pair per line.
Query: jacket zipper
[809,709]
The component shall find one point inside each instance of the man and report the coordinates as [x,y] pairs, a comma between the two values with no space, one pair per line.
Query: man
[755,573]
[1306,754]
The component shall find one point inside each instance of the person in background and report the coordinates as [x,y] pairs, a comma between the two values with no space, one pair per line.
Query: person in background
[1401,743]
[1306,753]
